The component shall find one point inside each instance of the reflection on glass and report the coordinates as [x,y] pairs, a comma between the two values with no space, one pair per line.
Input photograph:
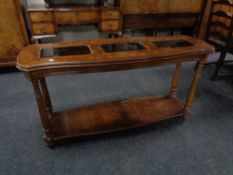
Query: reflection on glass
[122,47]
[64,51]
[172,43]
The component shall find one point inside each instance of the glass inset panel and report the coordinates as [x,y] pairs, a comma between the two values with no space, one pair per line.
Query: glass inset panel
[64,51]
[172,43]
[119,47]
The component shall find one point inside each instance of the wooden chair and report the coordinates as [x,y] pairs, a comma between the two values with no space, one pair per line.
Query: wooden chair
[219,33]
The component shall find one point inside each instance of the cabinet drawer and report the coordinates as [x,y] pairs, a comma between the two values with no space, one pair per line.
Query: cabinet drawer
[77,17]
[41,16]
[43,28]
[110,14]
[110,26]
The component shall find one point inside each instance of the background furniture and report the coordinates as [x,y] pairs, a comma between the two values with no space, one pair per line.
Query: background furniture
[40,61]
[204,20]
[45,21]
[53,3]
[219,34]
[127,15]
[13,34]
[160,14]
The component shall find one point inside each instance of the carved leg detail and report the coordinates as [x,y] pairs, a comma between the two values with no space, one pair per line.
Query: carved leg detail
[175,81]
[46,97]
[192,90]
[43,114]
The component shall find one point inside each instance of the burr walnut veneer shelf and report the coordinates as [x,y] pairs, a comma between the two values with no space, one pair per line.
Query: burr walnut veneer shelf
[39,61]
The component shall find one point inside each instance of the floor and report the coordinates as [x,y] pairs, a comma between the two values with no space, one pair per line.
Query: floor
[203,144]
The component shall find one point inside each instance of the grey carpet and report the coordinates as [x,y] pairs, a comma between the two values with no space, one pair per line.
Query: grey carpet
[201,145]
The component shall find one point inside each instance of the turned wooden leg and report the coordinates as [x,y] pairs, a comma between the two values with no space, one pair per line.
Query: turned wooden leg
[46,97]
[192,90]
[175,81]
[43,114]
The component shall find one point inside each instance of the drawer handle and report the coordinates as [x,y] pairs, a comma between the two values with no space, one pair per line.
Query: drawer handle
[44,31]
[110,26]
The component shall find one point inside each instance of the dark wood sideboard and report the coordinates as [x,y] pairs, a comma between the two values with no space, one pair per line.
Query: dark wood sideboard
[45,21]
[102,55]
[160,14]
[13,34]
[124,15]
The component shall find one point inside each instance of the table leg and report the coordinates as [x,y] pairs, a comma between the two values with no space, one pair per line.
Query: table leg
[43,113]
[46,97]
[192,90]
[175,81]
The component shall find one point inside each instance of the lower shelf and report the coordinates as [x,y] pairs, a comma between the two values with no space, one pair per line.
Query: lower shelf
[114,116]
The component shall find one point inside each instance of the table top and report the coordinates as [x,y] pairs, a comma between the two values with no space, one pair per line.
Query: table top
[109,52]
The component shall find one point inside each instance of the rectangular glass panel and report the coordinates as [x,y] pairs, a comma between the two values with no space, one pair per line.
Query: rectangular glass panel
[172,43]
[122,47]
[64,51]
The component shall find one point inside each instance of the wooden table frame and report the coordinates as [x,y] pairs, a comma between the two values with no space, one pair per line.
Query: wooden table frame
[113,116]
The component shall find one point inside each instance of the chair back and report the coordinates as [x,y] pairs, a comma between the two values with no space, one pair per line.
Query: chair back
[220,26]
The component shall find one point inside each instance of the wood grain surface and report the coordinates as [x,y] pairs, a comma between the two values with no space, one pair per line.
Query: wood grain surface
[160,6]
[29,58]
[13,36]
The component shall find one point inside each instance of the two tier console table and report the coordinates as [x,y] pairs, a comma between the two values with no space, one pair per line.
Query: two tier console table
[102,55]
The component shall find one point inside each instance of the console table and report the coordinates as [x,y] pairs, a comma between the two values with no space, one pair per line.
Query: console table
[102,55]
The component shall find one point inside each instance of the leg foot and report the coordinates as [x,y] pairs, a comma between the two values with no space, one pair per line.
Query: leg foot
[50,142]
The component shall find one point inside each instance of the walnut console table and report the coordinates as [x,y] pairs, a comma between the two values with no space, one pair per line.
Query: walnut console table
[102,55]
